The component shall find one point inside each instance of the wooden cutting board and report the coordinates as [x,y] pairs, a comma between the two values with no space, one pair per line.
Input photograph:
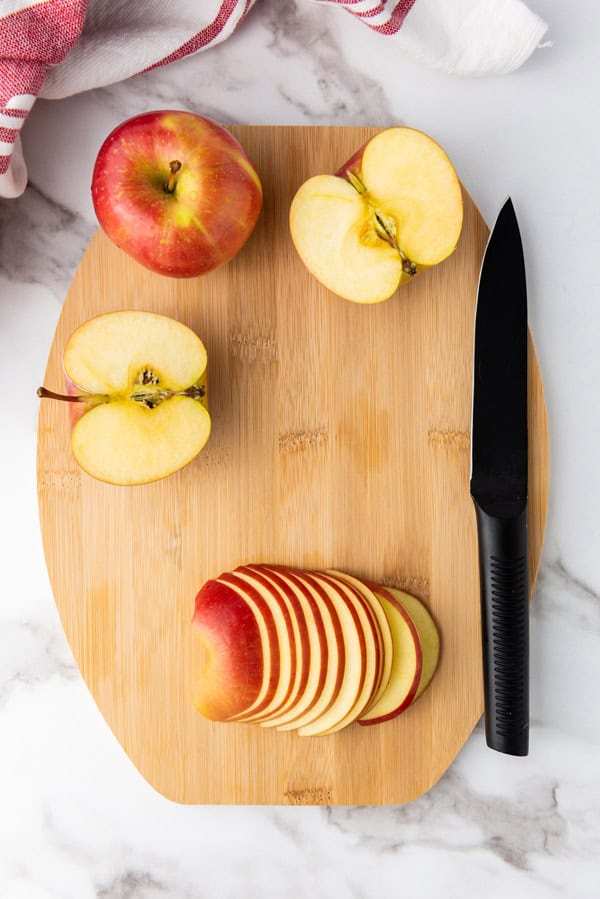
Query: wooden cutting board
[340,439]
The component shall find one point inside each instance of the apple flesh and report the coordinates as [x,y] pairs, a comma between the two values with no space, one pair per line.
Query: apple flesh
[333,660]
[392,210]
[297,632]
[407,660]
[284,652]
[359,669]
[429,637]
[325,644]
[332,649]
[382,627]
[176,191]
[136,382]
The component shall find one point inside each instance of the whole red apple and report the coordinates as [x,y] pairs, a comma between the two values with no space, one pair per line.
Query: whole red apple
[176,191]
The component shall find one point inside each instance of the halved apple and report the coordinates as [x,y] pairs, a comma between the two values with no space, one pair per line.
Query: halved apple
[137,382]
[392,210]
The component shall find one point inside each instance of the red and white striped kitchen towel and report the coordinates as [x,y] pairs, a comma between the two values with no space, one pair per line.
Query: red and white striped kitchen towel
[54,48]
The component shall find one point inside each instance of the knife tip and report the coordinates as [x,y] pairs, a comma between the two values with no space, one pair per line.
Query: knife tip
[507,211]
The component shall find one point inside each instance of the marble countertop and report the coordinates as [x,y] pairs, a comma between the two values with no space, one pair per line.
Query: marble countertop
[76,819]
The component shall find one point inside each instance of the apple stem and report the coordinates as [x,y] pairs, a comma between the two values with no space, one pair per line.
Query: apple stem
[44,393]
[356,182]
[174,167]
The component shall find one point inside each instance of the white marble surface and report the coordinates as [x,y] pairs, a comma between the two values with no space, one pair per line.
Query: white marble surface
[76,819]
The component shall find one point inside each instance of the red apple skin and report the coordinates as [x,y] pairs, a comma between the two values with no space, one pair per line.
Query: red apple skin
[298,577]
[289,605]
[227,629]
[242,587]
[76,410]
[352,165]
[207,217]
[274,574]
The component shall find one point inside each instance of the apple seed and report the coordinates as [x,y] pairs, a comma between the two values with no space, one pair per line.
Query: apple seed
[149,398]
[387,232]
[153,398]
[147,376]
[356,182]
[385,226]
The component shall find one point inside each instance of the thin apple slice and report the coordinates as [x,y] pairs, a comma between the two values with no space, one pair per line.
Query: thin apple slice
[428,635]
[314,644]
[383,628]
[361,638]
[284,655]
[334,233]
[354,653]
[406,662]
[410,177]
[234,653]
[350,654]
[297,643]
[335,660]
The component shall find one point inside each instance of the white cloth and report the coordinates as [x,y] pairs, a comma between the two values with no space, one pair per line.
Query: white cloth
[50,55]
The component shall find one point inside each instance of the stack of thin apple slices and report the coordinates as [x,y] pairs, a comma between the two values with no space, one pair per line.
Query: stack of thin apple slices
[309,651]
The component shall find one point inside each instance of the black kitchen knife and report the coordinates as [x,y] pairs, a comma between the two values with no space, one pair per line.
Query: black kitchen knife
[499,484]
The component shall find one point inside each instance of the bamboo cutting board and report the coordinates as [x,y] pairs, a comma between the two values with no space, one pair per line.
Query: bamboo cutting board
[340,439]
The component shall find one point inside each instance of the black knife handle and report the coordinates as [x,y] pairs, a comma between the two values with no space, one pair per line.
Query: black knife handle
[504,574]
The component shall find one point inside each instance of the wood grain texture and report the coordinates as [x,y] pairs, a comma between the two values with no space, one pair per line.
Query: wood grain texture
[340,439]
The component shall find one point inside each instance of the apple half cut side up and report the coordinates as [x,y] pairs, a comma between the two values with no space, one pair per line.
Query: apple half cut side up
[393,209]
[136,382]
[332,231]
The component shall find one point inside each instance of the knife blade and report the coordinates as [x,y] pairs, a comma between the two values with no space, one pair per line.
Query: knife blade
[499,478]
